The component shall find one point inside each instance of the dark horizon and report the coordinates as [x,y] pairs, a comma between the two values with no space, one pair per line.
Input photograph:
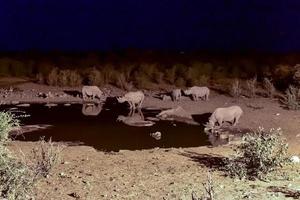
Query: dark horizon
[178,25]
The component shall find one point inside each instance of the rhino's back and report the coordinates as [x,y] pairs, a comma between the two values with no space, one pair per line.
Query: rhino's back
[134,96]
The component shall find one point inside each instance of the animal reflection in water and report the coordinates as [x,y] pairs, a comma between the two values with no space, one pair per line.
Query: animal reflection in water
[91,109]
[135,119]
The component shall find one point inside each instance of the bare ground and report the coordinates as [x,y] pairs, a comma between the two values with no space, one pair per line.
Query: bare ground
[164,173]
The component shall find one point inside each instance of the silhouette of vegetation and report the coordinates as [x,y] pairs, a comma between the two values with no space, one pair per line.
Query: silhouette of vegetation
[147,69]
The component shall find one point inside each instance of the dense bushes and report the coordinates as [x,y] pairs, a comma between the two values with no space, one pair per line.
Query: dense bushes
[19,176]
[261,152]
[7,123]
[141,70]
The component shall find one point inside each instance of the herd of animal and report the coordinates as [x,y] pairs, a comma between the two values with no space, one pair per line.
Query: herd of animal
[135,100]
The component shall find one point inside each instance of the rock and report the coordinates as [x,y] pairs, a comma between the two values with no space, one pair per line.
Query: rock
[50,95]
[74,195]
[165,97]
[175,112]
[41,95]
[51,104]
[67,104]
[295,159]
[156,135]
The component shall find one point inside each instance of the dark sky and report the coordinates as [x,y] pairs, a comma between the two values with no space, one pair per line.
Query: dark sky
[217,25]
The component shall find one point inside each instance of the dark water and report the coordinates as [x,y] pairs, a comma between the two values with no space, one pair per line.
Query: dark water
[104,132]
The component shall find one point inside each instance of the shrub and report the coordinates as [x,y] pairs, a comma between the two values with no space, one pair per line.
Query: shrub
[69,78]
[180,82]
[170,75]
[291,99]
[235,89]
[95,77]
[268,85]
[74,78]
[260,153]
[45,157]
[252,86]
[40,78]
[53,77]
[17,179]
[209,187]
[7,123]
[64,77]
[122,83]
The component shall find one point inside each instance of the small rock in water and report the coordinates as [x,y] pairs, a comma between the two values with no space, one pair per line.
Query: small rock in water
[15,102]
[156,135]
[67,104]
[50,105]
[24,105]
[295,159]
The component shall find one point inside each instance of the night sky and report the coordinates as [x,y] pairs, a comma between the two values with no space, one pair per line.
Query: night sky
[216,25]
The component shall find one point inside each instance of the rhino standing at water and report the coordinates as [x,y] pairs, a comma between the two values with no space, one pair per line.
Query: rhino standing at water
[229,114]
[176,94]
[197,92]
[133,98]
[91,91]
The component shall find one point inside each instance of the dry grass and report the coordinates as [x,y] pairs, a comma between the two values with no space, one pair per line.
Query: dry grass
[235,89]
[291,99]
[45,156]
[252,87]
[8,122]
[270,88]
[209,188]
[17,179]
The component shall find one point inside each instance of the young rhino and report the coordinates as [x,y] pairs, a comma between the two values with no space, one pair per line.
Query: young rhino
[133,98]
[197,92]
[229,114]
[91,91]
[176,94]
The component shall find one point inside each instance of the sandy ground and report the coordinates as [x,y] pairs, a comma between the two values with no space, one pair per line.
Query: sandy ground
[161,173]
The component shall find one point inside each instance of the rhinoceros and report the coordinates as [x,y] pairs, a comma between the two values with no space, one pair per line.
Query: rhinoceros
[176,94]
[133,98]
[229,114]
[197,92]
[91,92]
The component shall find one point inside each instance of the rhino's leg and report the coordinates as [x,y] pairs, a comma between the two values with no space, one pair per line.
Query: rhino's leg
[141,102]
[194,97]
[84,96]
[236,121]
[220,122]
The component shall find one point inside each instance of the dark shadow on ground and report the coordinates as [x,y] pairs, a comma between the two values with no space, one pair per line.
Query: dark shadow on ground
[286,191]
[201,118]
[73,93]
[211,161]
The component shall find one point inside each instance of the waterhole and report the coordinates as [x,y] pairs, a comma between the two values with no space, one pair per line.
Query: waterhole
[107,128]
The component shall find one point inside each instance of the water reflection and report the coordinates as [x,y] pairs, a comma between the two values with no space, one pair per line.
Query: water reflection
[91,109]
[135,119]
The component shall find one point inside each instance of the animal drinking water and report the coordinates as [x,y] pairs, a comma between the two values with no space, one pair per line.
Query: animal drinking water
[229,114]
[91,92]
[135,99]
